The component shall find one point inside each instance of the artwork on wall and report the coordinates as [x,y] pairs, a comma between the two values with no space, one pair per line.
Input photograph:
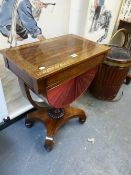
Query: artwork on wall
[126,10]
[18,19]
[101,18]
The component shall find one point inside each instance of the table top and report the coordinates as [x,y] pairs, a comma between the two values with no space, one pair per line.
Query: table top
[46,58]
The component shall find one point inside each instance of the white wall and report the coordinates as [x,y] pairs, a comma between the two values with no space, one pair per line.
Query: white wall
[55,21]
[78,14]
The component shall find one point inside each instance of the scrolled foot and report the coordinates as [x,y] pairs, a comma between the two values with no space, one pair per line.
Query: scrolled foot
[82,119]
[28,123]
[128,80]
[49,144]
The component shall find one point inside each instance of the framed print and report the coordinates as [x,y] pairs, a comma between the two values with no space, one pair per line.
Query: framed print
[101,19]
[23,21]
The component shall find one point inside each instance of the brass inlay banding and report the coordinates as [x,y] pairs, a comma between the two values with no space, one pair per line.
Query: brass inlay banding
[121,65]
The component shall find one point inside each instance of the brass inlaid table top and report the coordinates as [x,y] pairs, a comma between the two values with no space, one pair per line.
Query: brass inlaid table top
[47,63]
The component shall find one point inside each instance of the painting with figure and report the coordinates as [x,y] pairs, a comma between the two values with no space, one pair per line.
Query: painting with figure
[101,19]
[18,19]
[98,4]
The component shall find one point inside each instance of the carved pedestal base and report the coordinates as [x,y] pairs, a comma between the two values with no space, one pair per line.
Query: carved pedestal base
[52,125]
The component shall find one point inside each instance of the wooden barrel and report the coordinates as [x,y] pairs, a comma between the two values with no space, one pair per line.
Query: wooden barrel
[111,73]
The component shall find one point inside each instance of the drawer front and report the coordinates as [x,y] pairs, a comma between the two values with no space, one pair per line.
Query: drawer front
[73,71]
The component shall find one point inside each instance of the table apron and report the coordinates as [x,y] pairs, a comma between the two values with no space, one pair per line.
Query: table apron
[72,72]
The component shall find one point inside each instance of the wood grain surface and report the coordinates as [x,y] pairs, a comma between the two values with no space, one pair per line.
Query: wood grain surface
[46,64]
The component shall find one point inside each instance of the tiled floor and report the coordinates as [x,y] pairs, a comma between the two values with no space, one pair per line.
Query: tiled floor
[109,123]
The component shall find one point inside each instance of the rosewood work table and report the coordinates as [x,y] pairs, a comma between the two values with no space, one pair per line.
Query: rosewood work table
[58,70]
